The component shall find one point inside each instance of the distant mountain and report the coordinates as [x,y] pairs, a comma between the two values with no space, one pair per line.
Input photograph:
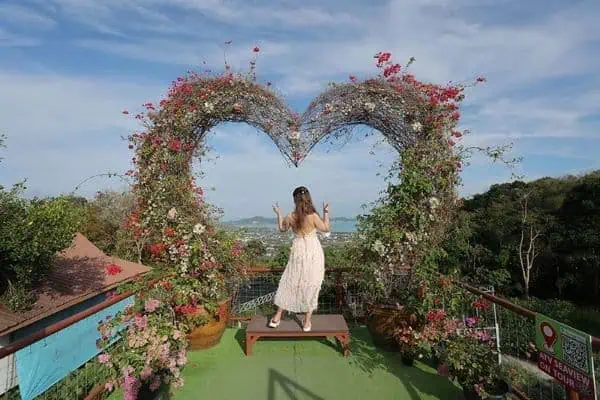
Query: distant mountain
[257,221]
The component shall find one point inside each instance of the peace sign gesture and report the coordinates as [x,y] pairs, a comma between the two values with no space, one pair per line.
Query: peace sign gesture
[277,209]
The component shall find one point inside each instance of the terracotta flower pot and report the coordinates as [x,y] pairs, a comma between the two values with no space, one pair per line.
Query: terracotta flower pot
[379,328]
[209,334]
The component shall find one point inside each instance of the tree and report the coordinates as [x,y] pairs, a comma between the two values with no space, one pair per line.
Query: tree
[105,216]
[579,218]
[529,246]
[256,249]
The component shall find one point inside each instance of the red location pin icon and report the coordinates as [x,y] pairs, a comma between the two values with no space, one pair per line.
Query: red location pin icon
[549,333]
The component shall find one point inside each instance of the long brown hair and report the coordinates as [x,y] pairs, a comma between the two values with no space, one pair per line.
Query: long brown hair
[304,206]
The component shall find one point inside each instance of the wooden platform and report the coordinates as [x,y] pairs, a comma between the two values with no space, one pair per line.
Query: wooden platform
[326,325]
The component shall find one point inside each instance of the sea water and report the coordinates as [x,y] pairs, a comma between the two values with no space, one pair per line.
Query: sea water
[343,226]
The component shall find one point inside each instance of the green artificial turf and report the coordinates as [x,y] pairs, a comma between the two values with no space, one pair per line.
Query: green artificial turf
[311,369]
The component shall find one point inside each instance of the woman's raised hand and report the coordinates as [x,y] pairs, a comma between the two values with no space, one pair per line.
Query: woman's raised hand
[325,208]
[277,209]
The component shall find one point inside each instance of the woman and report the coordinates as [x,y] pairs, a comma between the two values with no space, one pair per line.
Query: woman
[301,281]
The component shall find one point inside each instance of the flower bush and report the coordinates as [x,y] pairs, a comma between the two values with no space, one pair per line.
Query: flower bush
[401,234]
[145,345]
[473,362]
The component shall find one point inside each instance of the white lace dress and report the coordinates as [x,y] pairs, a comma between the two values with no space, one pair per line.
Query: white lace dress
[301,281]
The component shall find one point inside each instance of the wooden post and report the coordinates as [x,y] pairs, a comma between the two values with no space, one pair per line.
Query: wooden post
[572,395]
[339,291]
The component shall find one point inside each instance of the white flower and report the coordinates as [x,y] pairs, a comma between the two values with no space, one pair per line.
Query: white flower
[172,214]
[209,106]
[199,229]
[379,247]
[434,202]
[294,135]
[411,237]
[416,126]
[370,106]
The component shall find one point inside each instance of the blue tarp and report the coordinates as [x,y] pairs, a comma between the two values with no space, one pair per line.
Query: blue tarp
[44,363]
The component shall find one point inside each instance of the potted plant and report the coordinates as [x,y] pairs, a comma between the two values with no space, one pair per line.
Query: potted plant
[203,295]
[144,346]
[473,363]
[436,333]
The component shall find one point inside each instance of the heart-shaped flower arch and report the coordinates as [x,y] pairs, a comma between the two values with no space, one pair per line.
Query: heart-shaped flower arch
[170,213]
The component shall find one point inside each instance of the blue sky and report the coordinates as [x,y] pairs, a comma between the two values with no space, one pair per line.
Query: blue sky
[69,67]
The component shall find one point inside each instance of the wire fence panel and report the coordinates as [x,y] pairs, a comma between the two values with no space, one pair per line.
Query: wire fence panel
[76,386]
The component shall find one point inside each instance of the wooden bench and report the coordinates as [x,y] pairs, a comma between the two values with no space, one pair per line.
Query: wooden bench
[326,325]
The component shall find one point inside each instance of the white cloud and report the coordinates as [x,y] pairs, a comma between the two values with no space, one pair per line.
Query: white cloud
[62,129]
[24,17]
[531,54]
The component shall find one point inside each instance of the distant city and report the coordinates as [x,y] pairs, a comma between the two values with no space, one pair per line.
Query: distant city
[338,224]
[265,230]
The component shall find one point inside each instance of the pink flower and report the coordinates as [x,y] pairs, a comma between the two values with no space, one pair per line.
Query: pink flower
[151,305]
[141,321]
[471,321]
[104,358]
[181,358]
[131,387]
[155,384]
[146,373]
[109,386]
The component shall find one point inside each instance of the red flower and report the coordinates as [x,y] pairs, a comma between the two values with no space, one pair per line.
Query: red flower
[436,315]
[157,249]
[113,269]
[383,58]
[481,304]
[186,309]
[175,145]
[169,232]
[391,70]
[256,49]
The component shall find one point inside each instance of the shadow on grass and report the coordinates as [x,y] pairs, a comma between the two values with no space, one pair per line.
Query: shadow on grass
[416,380]
[289,386]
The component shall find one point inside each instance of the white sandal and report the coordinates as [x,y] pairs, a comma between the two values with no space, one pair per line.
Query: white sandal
[273,324]
[307,328]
